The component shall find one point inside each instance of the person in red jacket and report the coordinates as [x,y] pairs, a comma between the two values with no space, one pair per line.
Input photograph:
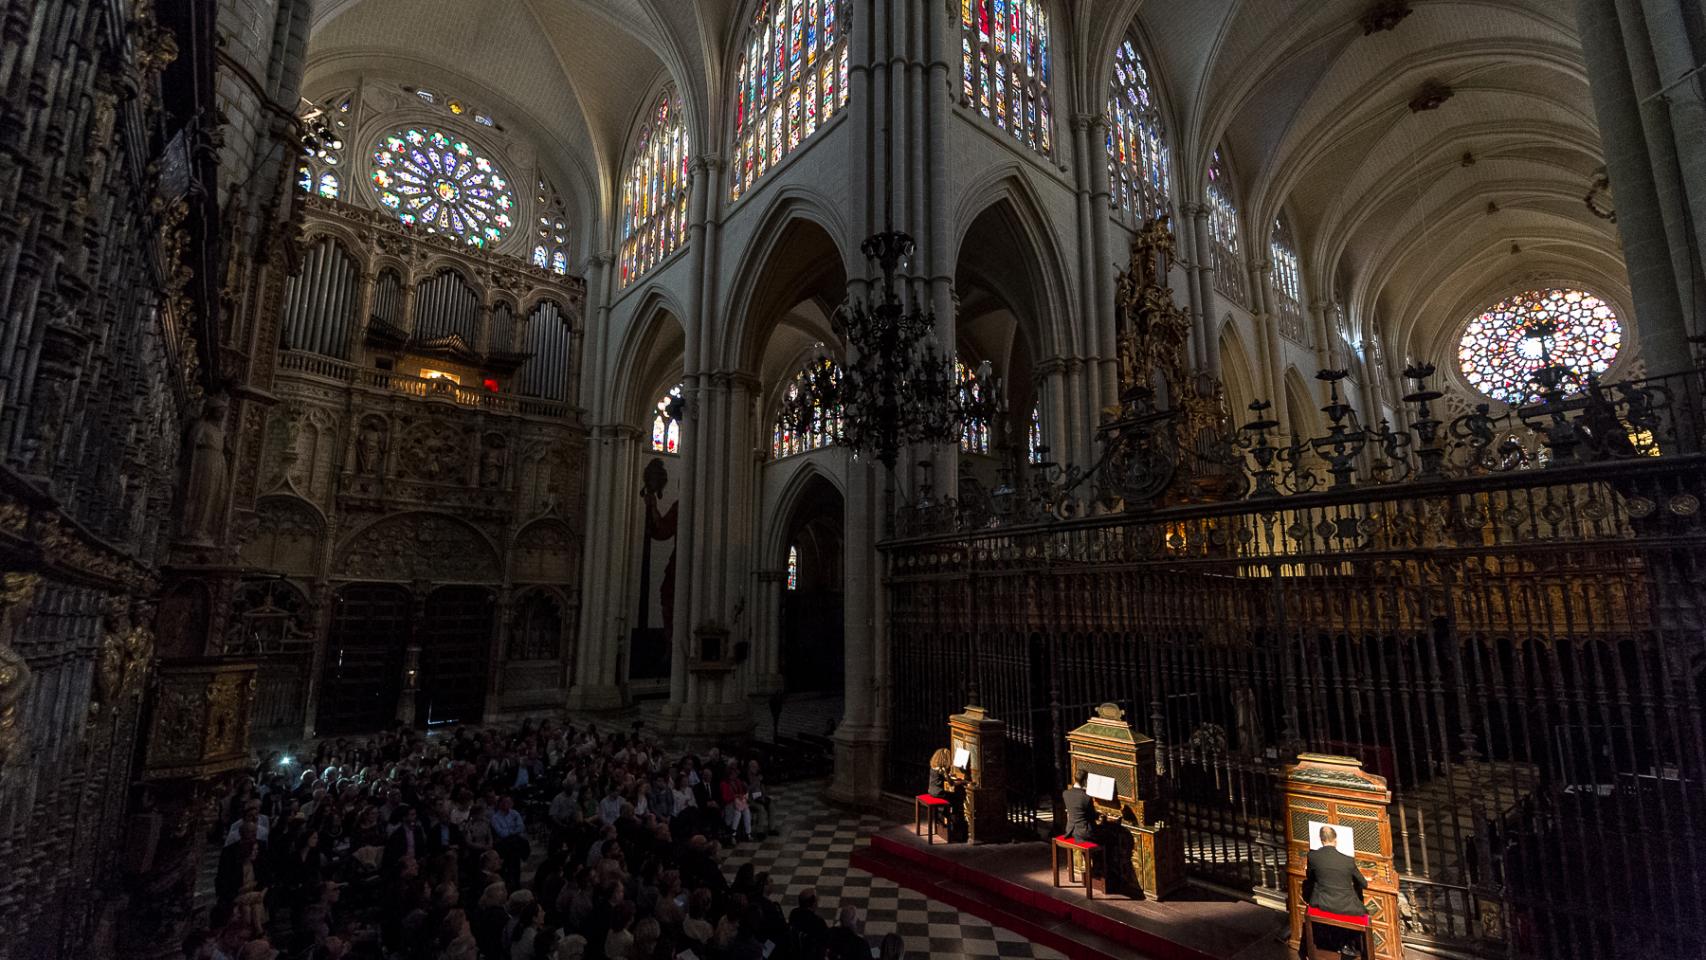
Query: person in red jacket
[737,809]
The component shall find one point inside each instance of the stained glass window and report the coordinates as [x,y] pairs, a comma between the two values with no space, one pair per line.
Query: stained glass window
[1035,447]
[1223,230]
[974,435]
[666,422]
[1006,62]
[1138,157]
[1287,282]
[654,195]
[825,428]
[792,79]
[440,182]
[1503,348]
[793,568]
[551,233]
[323,128]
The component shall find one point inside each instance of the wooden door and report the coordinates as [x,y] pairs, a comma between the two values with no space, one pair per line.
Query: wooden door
[455,636]
[363,675]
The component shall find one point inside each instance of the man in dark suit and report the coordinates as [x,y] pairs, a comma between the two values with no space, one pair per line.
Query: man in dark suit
[1081,817]
[1334,884]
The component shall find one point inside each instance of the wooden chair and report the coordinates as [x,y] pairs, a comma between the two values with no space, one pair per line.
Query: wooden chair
[1360,925]
[925,802]
[1074,847]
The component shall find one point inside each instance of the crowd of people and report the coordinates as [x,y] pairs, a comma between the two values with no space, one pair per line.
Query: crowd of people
[407,847]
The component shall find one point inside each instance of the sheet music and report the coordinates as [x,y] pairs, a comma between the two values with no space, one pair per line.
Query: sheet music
[1100,787]
[962,757]
[1345,842]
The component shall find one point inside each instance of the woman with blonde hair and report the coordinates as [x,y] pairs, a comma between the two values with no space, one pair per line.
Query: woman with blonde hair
[942,785]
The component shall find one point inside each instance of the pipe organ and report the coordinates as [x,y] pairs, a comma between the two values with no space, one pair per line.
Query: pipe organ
[445,305]
[547,372]
[321,301]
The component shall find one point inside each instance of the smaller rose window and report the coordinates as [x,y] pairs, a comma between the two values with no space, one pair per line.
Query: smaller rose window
[440,183]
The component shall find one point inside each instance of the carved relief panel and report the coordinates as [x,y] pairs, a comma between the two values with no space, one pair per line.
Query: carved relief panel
[419,546]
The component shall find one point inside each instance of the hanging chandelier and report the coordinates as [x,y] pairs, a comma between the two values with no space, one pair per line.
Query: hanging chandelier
[897,388]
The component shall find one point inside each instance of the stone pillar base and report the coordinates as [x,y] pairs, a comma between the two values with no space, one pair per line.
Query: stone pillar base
[859,757]
[595,698]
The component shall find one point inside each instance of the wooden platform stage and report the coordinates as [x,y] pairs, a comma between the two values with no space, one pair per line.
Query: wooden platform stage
[1010,885]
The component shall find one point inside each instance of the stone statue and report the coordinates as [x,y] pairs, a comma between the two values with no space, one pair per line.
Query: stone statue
[204,498]
[370,451]
[492,463]
[17,593]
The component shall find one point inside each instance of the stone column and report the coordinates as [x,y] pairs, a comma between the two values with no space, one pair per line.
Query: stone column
[1641,209]
[766,661]
[612,468]
[1684,102]
[1103,323]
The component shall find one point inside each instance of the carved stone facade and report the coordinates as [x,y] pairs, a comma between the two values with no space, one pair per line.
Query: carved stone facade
[110,294]
[361,473]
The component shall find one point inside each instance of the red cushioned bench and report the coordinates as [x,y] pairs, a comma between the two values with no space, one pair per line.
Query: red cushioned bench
[1343,921]
[1073,847]
[922,802]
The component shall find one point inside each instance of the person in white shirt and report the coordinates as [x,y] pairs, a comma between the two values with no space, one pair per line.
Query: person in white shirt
[251,814]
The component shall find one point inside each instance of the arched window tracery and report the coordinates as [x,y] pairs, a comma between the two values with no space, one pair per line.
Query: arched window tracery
[974,436]
[324,126]
[551,233]
[1224,234]
[1138,156]
[666,422]
[1006,61]
[1503,348]
[791,80]
[1287,280]
[825,428]
[654,194]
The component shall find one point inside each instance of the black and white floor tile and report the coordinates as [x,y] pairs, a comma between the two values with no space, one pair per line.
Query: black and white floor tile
[810,848]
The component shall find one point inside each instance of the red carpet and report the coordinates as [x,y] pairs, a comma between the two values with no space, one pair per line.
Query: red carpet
[1010,886]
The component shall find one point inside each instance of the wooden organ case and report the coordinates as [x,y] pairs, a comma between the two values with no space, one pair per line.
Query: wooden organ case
[984,742]
[1324,789]
[1107,746]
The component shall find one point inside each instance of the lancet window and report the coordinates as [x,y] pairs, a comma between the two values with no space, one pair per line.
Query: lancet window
[1287,282]
[654,194]
[974,435]
[791,80]
[825,428]
[1224,234]
[1138,157]
[1006,61]
[666,422]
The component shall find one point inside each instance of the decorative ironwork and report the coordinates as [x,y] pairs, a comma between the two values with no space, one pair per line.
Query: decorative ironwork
[897,387]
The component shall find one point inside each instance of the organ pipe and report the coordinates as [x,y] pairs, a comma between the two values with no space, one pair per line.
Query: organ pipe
[320,302]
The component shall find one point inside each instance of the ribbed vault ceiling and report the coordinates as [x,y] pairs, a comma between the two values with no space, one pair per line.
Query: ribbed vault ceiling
[1315,115]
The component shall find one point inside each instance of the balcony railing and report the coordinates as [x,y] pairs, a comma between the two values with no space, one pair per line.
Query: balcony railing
[319,365]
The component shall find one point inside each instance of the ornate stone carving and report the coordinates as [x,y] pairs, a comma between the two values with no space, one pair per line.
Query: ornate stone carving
[494,458]
[434,451]
[420,546]
[287,537]
[370,446]
[545,552]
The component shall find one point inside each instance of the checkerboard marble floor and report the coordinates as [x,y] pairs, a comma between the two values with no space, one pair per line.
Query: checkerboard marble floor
[810,848]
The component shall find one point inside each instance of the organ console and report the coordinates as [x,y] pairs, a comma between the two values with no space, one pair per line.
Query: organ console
[1127,790]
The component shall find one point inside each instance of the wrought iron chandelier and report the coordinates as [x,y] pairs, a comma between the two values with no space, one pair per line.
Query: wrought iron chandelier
[897,388]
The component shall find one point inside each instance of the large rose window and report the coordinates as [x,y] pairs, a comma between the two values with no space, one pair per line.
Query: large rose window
[438,182]
[1503,348]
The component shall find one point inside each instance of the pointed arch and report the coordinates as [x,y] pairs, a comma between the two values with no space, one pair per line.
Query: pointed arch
[1007,189]
[1302,422]
[650,352]
[760,292]
[1237,373]
[806,471]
